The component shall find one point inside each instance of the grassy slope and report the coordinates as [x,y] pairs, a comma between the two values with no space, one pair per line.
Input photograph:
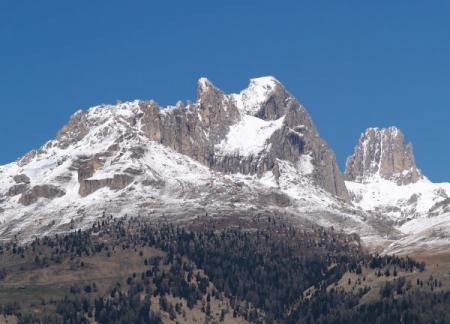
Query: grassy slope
[30,285]
[437,266]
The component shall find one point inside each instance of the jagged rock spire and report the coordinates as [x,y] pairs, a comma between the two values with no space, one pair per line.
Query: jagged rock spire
[383,152]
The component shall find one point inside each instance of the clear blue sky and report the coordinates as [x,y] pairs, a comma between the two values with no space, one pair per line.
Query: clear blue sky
[353,64]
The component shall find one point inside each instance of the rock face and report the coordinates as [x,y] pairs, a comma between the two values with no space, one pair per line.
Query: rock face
[196,129]
[192,129]
[298,137]
[383,152]
[42,191]
[76,129]
[21,178]
[17,189]
[265,98]
[117,182]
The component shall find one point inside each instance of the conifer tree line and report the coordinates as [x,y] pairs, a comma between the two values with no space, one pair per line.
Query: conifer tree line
[257,274]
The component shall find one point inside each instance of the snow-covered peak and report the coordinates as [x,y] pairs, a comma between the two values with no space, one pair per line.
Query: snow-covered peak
[391,131]
[204,83]
[239,154]
[134,158]
[250,100]
[383,179]
[205,88]
[267,82]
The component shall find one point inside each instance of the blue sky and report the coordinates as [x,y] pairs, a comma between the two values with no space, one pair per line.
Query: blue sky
[353,64]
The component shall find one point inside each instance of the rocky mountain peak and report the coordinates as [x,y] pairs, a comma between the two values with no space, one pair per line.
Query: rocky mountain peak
[383,152]
[265,98]
[216,110]
[205,89]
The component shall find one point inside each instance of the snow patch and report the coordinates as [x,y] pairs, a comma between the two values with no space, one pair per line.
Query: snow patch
[305,165]
[249,100]
[248,137]
[399,202]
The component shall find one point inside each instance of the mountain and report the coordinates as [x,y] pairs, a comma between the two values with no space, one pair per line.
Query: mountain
[383,153]
[228,157]
[382,177]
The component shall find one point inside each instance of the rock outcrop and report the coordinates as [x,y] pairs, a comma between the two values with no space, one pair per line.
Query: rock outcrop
[383,152]
[265,98]
[117,182]
[299,137]
[42,191]
[192,129]
[17,189]
[21,178]
[75,130]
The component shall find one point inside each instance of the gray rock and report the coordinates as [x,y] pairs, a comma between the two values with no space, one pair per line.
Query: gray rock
[119,181]
[384,152]
[27,158]
[158,184]
[444,205]
[276,104]
[86,166]
[413,199]
[217,110]
[17,189]
[137,152]
[133,171]
[193,129]
[64,178]
[21,178]
[299,136]
[74,131]
[276,199]
[42,191]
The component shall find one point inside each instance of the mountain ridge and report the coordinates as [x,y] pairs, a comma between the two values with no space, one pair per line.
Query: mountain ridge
[246,154]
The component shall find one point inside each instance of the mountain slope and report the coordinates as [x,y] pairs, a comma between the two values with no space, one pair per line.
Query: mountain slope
[382,178]
[238,155]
